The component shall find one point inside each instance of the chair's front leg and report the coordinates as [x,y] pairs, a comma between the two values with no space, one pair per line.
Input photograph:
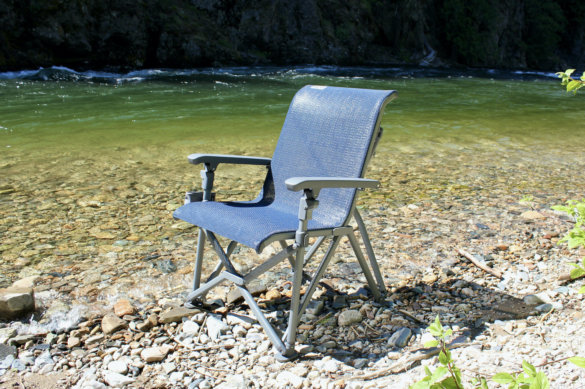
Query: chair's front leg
[207,176]
[306,206]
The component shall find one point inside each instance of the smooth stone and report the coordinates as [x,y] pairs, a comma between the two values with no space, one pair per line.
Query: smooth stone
[94,339]
[544,307]
[73,341]
[190,328]
[22,339]
[6,361]
[27,282]
[236,381]
[6,334]
[169,367]
[273,294]
[154,354]
[6,350]
[349,317]
[119,367]
[15,302]
[215,326]
[360,363]
[400,338]
[315,307]
[112,323]
[533,299]
[19,365]
[123,307]
[176,314]
[150,322]
[116,380]
[288,378]
[255,289]
[339,301]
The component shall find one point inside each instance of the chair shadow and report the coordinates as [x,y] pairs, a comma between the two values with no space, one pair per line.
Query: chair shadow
[486,305]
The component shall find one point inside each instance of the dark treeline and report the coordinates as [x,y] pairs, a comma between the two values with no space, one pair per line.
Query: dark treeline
[126,34]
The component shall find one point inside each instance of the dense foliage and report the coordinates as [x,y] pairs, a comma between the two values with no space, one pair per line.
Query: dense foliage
[537,34]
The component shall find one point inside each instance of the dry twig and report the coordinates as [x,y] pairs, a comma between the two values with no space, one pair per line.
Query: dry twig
[479,264]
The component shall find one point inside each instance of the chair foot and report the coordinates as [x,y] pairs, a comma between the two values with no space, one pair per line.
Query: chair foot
[288,355]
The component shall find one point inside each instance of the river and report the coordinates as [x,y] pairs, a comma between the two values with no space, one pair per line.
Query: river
[92,164]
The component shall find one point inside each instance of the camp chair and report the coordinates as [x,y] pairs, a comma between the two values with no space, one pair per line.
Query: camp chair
[310,191]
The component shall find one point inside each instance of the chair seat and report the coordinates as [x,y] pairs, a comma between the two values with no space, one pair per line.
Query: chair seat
[249,223]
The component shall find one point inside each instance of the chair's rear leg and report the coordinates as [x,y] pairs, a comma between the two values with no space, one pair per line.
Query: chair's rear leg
[199,259]
[364,265]
[369,251]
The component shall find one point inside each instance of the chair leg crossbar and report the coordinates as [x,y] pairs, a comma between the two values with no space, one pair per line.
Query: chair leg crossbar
[298,256]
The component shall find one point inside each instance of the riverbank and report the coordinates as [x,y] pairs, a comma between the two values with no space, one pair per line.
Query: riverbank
[101,231]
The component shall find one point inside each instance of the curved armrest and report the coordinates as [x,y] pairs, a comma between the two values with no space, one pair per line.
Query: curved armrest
[317,183]
[216,159]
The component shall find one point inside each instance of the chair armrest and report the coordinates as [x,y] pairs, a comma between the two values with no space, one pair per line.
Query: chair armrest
[216,159]
[317,183]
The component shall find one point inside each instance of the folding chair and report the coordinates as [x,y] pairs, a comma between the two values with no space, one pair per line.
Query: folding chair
[310,191]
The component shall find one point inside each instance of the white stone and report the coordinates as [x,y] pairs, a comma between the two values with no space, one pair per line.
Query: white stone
[190,328]
[119,367]
[116,380]
[215,326]
[287,378]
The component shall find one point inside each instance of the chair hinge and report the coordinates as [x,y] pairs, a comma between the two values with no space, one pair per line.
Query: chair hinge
[196,196]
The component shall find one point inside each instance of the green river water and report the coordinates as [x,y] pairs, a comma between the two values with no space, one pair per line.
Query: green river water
[88,164]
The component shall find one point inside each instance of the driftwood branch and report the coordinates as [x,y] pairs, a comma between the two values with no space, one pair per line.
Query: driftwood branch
[405,365]
[479,264]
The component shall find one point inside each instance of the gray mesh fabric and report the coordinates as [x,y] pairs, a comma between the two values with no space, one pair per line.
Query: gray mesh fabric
[328,132]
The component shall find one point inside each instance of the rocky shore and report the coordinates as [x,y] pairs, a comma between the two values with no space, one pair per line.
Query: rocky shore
[109,267]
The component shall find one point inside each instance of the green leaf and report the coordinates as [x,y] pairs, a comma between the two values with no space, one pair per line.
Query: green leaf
[579,361]
[573,85]
[577,272]
[568,72]
[581,289]
[503,378]
[540,381]
[529,369]
[443,358]
[432,343]
[449,383]
[439,373]
[423,384]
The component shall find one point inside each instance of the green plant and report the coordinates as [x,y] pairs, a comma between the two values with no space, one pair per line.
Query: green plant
[446,376]
[529,378]
[576,236]
[572,84]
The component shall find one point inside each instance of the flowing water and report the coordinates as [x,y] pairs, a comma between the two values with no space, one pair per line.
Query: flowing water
[92,164]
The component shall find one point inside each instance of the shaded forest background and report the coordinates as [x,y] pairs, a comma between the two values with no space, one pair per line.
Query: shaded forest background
[129,34]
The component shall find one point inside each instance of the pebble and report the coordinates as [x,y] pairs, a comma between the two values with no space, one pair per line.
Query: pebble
[119,367]
[112,323]
[176,314]
[400,338]
[154,354]
[116,380]
[123,307]
[349,317]
[215,326]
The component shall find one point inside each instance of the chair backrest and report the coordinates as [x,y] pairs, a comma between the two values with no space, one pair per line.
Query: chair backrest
[328,132]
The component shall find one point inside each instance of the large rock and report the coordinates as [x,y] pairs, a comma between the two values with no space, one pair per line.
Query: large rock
[16,301]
